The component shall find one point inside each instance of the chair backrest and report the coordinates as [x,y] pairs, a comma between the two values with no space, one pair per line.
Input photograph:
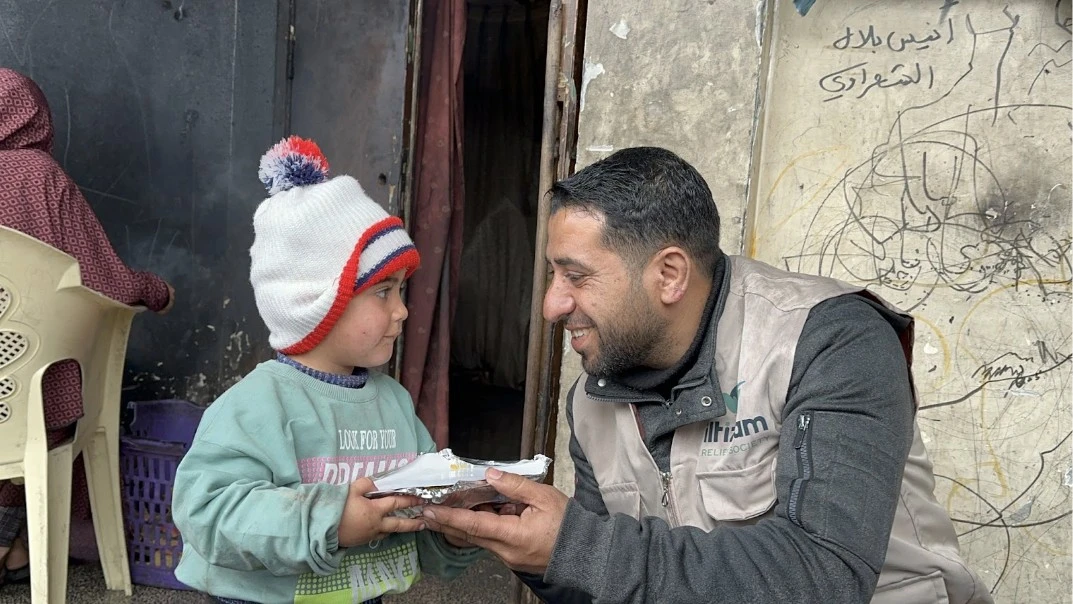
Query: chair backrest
[46,316]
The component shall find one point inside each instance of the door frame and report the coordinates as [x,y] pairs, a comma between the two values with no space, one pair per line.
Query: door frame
[558,156]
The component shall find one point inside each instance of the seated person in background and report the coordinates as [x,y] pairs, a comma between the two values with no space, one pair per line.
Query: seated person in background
[38,198]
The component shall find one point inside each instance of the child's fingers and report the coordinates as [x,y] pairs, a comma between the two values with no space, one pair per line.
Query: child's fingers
[387,503]
[394,503]
[362,486]
[395,524]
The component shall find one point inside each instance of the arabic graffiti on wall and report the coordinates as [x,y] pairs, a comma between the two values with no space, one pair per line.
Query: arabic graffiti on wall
[927,156]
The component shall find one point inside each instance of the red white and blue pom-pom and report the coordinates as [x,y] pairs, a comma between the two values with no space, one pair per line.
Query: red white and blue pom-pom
[292,162]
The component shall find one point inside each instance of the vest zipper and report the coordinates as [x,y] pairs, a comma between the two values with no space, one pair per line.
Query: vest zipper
[668,499]
[666,488]
[802,442]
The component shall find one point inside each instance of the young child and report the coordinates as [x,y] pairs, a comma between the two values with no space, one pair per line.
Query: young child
[270,497]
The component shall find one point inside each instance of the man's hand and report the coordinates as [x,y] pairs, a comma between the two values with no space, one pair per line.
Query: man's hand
[366,520]
[456,542]
[522,542]
[505,509]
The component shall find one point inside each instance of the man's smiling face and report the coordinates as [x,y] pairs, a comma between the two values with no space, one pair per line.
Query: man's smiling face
[608,314]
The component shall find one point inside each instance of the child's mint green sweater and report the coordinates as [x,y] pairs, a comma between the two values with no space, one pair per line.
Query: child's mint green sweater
[259,495]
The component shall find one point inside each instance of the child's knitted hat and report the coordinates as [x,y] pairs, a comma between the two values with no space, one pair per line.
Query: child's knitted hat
[317,243]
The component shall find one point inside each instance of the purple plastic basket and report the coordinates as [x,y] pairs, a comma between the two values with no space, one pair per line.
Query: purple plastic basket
[162,433]
[169,421]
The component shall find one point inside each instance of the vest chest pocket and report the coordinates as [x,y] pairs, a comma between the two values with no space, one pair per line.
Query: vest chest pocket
[622,498]
[737,495]
[926,588]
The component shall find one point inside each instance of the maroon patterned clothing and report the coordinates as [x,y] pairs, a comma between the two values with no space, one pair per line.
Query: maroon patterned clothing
[39,199]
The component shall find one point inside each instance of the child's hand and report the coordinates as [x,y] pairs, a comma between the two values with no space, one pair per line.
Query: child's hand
[366,520]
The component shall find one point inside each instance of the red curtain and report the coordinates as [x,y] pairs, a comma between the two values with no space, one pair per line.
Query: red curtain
[436,213]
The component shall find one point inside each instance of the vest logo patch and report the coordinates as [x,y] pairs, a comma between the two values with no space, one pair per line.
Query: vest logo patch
[731,398]
[722,432]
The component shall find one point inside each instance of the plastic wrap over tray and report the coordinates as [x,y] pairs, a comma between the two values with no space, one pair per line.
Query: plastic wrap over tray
[443,478]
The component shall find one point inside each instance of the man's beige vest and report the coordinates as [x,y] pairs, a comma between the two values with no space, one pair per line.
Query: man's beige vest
[714,482]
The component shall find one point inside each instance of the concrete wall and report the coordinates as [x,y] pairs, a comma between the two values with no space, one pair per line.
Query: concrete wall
[923,152]
[162,111]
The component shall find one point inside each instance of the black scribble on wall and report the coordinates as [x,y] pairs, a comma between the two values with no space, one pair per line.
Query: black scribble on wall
[999,521]
[1011,370]
[1062,17]
[931,208]
[965,195]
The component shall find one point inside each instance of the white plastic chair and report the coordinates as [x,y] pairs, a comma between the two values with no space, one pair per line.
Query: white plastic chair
[46,316]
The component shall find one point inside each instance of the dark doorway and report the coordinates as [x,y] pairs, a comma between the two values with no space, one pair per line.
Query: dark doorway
[506,43]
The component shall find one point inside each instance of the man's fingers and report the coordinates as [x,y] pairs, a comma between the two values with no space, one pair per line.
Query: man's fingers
[472,525]
[394,524]
[432,525]
[514,486]
[512,509]
[460,535]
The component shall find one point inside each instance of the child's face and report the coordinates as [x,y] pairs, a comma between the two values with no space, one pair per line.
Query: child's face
[365,335]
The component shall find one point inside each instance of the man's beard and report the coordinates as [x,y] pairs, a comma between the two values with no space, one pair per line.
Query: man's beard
[626,342]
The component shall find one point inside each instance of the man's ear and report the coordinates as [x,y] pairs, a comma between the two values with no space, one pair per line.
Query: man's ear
[672,270]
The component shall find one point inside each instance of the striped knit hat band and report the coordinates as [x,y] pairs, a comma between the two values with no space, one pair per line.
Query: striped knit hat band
[385,249]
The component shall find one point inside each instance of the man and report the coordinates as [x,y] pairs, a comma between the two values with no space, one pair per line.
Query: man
[740,432]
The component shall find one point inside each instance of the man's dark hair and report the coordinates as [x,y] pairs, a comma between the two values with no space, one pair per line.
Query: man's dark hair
[651,199]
